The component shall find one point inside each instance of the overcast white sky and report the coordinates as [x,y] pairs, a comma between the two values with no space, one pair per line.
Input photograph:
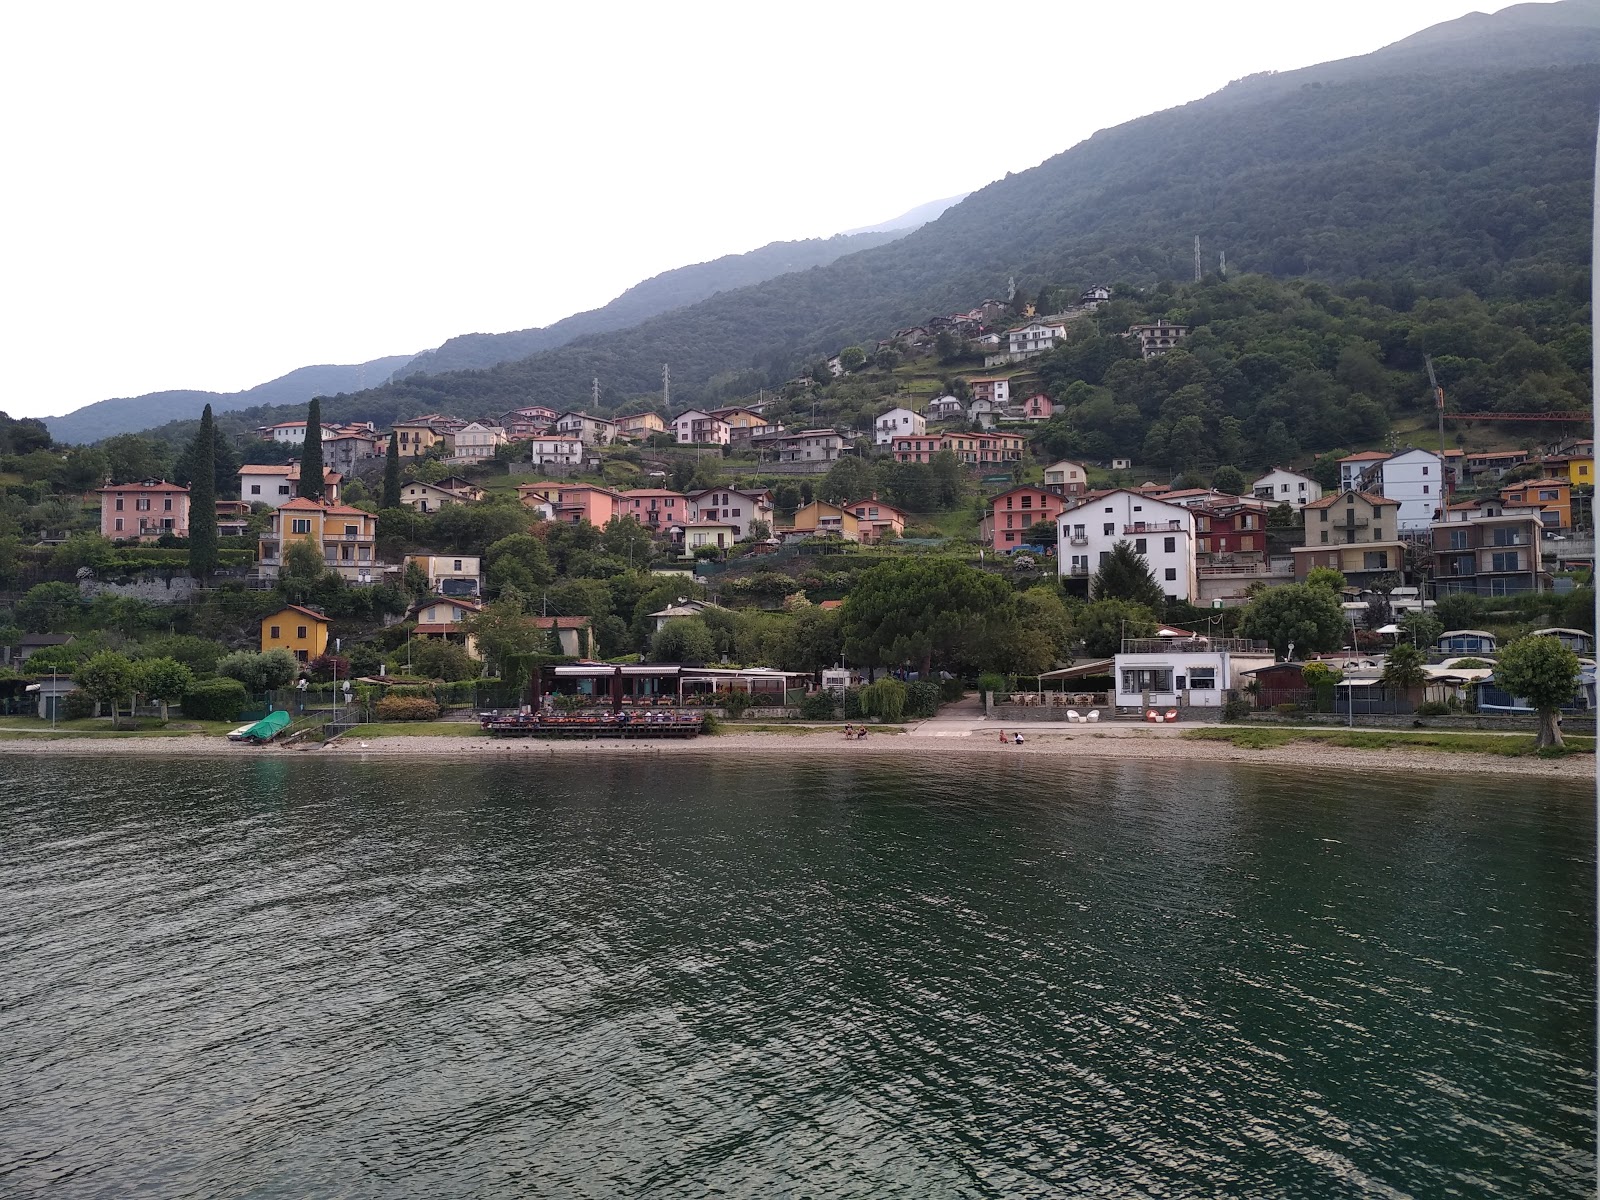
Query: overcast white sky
[208,195]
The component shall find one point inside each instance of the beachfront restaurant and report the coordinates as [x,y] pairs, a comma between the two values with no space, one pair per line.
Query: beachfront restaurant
[647,685]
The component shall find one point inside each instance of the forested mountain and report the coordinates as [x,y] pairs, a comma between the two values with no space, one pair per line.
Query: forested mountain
[106,418]
[1446,160]
[658,294]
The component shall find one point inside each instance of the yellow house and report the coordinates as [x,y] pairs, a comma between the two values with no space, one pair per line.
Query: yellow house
[821,517]
[303,632]
[346,536]
[640,425]
[416,438]
[1578,468]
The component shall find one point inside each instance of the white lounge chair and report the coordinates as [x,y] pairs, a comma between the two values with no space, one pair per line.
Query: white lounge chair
[1072,716]
[1094,715]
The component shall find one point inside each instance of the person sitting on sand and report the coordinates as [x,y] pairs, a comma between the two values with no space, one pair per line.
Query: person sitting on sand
[849,731]
[1018,739]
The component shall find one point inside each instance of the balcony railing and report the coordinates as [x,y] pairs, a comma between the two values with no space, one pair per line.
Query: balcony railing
[1078,572]
[1154,527]
[1352,523]
[1265,570]
[1077,539]
[1193,645]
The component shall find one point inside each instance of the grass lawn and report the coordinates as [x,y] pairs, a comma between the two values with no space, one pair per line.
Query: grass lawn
[415,729]
[100,727]
[1506,745]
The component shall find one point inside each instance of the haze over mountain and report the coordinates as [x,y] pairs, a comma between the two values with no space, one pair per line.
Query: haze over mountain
[916,217]
[1452,157]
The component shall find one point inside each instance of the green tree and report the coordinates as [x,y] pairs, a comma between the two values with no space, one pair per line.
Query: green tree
[311,453]
[851,358]
[110,678]
[519,562]
[502,631]
[1103,624]
[1543,672]
[303,569]
[1404,669]
[202,505]
[47,607]
[259,673]
[131,457]
[1423,628]
[391,473]
[683,639]
[1309,617]
[1125,575]
[437,658]
[918,611]
[1229,480]
[850,478]
[163,680]
[1041,533]
[1326,577]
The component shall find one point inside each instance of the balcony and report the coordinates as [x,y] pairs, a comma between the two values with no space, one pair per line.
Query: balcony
[1352,523]
[1077,539]
[1198,645]
[1077,572]
[1154,527]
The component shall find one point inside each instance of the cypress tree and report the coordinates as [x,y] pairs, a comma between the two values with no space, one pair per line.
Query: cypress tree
[203,500]
[311,455]
[391,473]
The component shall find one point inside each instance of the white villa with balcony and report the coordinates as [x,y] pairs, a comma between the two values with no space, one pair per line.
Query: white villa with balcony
[1184,671]
[1163,533]
[897,422]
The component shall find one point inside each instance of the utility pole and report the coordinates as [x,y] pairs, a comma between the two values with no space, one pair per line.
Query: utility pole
[666,386]
[594,393]
[1438,404]
[1222,264]
[1197,271]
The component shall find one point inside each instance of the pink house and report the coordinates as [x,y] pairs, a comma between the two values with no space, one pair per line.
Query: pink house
[1038,407]
[144,511]
[589,502]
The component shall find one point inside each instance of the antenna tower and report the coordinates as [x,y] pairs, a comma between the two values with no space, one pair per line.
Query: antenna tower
[594,392]
[1197,273]
[1222,264]
[666,386]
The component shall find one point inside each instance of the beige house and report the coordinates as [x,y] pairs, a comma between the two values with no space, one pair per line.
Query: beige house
[428,497]
[1066,478]
[708,533]
[446,619]
[575,635]
[1355,534]
[477,443]
[346,536]
[452,575]
[640,425]
[821,517]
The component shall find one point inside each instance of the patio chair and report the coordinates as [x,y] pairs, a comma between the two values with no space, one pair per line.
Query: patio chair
[1072,716]
[1094,715]
[1153,716]
[1172,714]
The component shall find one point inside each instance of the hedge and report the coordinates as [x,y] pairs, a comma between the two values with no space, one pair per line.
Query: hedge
[215,700]
[405,708]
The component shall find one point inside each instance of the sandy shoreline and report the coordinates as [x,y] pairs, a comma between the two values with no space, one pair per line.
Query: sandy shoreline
[1136,744]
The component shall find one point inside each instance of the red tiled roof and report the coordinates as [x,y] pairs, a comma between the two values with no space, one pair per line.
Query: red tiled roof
[1369,497]
[303,611]
[159,486]
[1365,456]
[560,622]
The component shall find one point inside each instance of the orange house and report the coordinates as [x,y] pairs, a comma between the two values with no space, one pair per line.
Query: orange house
[1552,497]
[1012,513]
[875,519]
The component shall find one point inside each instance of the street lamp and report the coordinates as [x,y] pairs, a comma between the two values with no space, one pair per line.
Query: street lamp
[335,681]
[55,699]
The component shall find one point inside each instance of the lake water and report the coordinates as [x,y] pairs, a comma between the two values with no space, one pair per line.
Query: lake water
[685,976]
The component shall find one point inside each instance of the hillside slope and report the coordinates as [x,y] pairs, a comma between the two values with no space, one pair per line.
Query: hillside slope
[658,294]
[1445,158]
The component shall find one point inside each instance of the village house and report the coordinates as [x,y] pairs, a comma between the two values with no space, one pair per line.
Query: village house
[1036,337]
[573,635]
[1413,479]
[291,433]
[804,445]
[587,502]
[1352,467]
[985,414]
[347,450]
[274,485]
[521,423]
[416,437]
[233,518]
[1037,407]
[1578,468]
[1355,534]
[819,517]
[143,511]
[743,424]
[30,644]
[346,536]
[1158,338]
[876,520]
[694,427]
[638,426]
[1066,478]
[680,609]
[1552,497]
[1012,513]
[452,575]
[1092,298]
[897,422]
[541,497]
[739,508]
[1494,463]
[476,442]
[971,449]
[1472,642]
[699,535]
[657,509]
[994,388]
[549,450]
[591,431]
[1487,548]
[1184,671]
[944,408]
[1281,486]
[427,497]
[446,621]
[1090,526]
[303,632]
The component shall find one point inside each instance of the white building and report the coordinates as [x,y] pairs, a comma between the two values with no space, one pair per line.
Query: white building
[1353,466]
[477,443]
[1414,479]
[263,484]
[1192,672]
[1163,533]
[591,431]
[698,428]
[735,508]
[1287,487]
[897,422]
[555,451]
[451,574]
[1034,338]
[291,432]
[943,407]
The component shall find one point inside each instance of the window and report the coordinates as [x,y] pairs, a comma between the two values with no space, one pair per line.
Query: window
[1324,515]
[119,503]
[1172,574]
[119,524]
[283,489]
[1377,533]
[1202,679]
[351,531]
[1138,508]
[166,504]
[1324,537]
[1549,494]
[1146,679]
[1510,560]
[142,504]
[300,631]
[1139,545]
[1458,539]
[274,633]
[255,490]
[457,567]
[1170,545]
[1375,560]
[1424,471]
[1424,489]
[1506,537]
[1108,528]
[300,525]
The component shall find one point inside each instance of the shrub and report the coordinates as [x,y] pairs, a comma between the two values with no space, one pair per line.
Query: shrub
[1289,709]
[710,724]
[922,699]
[951,690]
[818,706]
[1236,710]
[885,700]
[75,706]
[990,681]
[214,700]
[405,708]
[1433,708]
[852,704]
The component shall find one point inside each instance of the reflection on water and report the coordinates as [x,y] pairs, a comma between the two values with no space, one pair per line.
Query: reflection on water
[684,977]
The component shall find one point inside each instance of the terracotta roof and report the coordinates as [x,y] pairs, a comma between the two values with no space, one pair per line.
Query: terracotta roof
[647,493]
[267,468]
[900,512]
[831,604]
[1365,456]
[156,486]
[303,611]
[302,504]
[560,622]
[1369,497]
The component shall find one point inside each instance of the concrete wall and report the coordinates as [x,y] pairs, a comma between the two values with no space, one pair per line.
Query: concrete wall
[156,587]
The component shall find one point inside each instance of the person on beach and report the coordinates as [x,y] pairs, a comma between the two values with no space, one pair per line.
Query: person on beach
[1018,739]
[849,732]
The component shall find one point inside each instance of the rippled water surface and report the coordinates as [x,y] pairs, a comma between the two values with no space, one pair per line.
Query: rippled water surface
[681,977]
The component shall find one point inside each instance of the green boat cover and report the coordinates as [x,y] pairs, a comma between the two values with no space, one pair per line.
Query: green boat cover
[269,727]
